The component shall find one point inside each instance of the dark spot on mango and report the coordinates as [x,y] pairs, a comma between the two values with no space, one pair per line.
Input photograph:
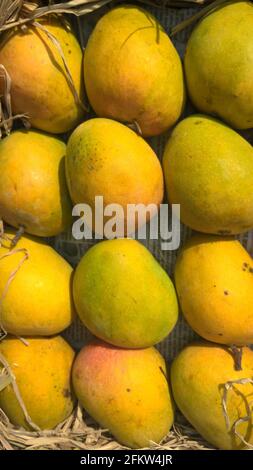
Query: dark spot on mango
[220,334]
[226,292]
[198,122]
[128,389]
[66,393]
[247,267]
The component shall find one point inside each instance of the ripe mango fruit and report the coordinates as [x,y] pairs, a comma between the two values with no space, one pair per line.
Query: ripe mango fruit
[33,188]
[39,299]
[219,64]
[132,71]
[106,158]
[126,391]
[123,296]
[198,377]
[214,282]
[208,170]
[39,85]
[43,376]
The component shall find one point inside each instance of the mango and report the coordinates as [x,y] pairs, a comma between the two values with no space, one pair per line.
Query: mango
[126,391]
[39,84]
[219,64]
[114,298]
[33,188]
[198,377]
[106,158]
[214,282]
[38,300]
[208,170]
[132,71]
[43,375]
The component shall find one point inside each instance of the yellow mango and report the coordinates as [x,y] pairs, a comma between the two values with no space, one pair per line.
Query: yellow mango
[123,295]
[33,189]
[43,375]
[219,64]
[208,170]
[39,85]
[214,282]
[38,300]
[106,158]
[132,71]
[126,391]
[198,377]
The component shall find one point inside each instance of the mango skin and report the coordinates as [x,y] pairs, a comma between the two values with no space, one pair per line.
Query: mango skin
[113,301]
[39,299]
[208,170]
[214,282]
[33,188]
[198,375]
[39,86]
[43,375]
[132,71]
[106,158]
[126,391]
[219,64]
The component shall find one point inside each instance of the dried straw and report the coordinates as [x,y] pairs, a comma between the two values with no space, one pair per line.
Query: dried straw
[80,432]
[3,332]
[57,45]
[19,12]
[248,418]
[6,116]
[205,10]
[5,378]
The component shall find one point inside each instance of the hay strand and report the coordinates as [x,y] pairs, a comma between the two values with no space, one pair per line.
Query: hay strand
[79,431]
[6,116]
[13,382]
[227,387]
[5,378]
[20,12]
[206,10]
[245,419]
[23,14]
[13,251]
[66,67]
